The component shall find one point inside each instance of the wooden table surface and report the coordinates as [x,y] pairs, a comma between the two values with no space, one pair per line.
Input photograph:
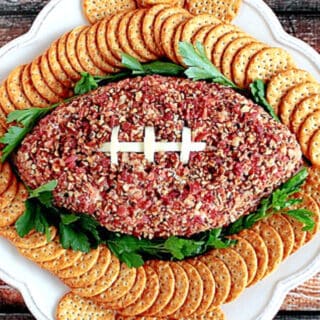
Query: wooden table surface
[299,18]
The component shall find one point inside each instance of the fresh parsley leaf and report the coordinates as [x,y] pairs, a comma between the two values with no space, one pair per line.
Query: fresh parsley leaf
[258,92]
[44,193]
[304,216]
[86,84]
[216,240]
[25,223]
[67,219]
[132,63]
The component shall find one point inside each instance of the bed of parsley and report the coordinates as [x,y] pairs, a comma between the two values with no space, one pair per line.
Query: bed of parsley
[82,232]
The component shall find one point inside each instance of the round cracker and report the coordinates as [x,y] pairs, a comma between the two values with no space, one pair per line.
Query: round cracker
[94,51]
[99,9]
[72,306]
[148,28]
[314,149]
[71,53]
[238,270]
[201,34]
[93,274]
[312,184]
[5,102]
[294,96]
[302,110]
[216,314]
[308,129]
[133,295]
[7,196]
[175,45]
[247,252]
[81,266]
[281,83]
[84,56]
[6,175]
[267,63]
[241,61]
[15,90]
[273,242]
[167,284]
[135,36]
[261,251]
[33,95]
[148,297]
[285,230]
[41,85]
[3,122]
[103,283]
[209,286]
[181,289]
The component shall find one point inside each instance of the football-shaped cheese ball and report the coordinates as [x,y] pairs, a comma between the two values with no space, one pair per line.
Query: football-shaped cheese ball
[247,155]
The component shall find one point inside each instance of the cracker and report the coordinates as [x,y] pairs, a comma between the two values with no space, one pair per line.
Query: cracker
[96,10]
[312,184]
[6,175]
[148,297]
[238,271]
[195,293]
[201,34]
[285,231]
[308,129]
[81,266]
[302,110]
[181,289]
[281,83]
[71,53]
[134,294]
[64,60]
[135,36]
[216,314]
[102,284]
[74,307]
[261,251]
[84,57]
[94,51]
[41,85]
[56,67]
[214,35]
[3,122]
[175,45]
[267,63]
[314,149]
[294,96]
[274,245]
[209,286]
[167,284]
[247,252]
[5,102]
[241,61]
[53,87]
[222,278]
[122,285]
[93,274]
[7,196]
[33,95]
[148,28]
[15,90]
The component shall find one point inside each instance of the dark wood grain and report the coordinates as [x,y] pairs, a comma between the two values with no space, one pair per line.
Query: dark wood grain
[297,6]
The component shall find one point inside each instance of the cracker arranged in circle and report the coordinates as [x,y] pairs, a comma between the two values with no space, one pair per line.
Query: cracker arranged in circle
[93,274]
[216,314]
[148,28]
[303,110]
[261,251]
[241,61]
[273,242]
[94,51]
[5,102]
[281,83]
[15,90]
[84,57]
[8,196]
[133,295]
[175,45]
[238,270]
[103,283]
[195,293]
[135,36]
[167,284]
[267,63]
[81,266]
[74,307]
[294,96]
[148,297]
[33,95]
[314,149]
[209,286]
[312,185]
[96,10]
[285,231]
[181,289]
[222,278]
[200,35]
[247,252]
[3,122]
[308,129]
[6,176]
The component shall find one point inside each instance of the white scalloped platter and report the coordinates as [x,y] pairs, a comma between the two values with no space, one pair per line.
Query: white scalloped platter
[41,290]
